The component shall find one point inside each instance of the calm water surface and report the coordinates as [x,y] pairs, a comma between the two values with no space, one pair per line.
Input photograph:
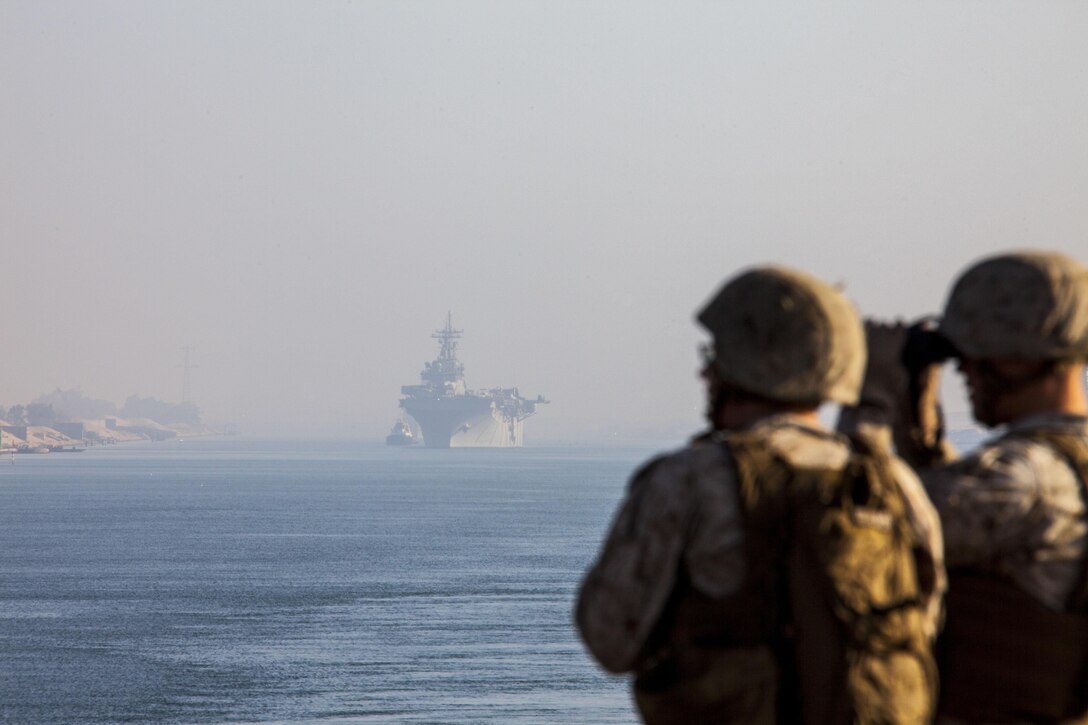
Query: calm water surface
[233,580]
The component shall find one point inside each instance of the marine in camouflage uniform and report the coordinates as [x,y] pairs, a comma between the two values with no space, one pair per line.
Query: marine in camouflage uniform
[1014,511]
[783,343]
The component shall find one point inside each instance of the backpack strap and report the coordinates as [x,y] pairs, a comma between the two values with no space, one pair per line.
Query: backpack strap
[763,480]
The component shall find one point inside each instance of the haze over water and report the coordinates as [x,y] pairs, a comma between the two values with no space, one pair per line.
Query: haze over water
[203,581]
[300,191]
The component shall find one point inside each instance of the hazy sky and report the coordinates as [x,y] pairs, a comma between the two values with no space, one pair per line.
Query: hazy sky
[300,191]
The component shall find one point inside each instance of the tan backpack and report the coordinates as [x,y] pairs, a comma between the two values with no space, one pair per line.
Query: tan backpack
[839,559]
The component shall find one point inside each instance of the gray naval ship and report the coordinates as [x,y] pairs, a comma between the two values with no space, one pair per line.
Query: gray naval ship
[450,416]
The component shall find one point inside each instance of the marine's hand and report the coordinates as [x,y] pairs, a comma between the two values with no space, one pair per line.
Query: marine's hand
[898,402]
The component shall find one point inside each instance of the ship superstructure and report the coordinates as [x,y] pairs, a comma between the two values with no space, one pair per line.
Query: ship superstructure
[451,416]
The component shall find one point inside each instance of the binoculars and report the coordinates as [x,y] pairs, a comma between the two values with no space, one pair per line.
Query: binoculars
[926,346]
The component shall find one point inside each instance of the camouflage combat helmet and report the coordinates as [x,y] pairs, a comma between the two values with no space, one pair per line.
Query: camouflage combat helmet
[1026,305]
[786,336]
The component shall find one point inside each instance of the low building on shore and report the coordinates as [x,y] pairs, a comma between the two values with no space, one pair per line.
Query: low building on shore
[39,437]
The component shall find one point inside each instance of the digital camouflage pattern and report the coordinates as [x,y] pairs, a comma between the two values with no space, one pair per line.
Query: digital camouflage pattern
[1014,508]
[682,513]
[1027,305]
[1013,647]
[680,508]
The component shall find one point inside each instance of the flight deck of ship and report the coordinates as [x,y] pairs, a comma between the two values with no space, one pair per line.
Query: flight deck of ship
[449,415]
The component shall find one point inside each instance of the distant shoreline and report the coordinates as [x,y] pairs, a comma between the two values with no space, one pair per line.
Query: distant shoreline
[80,435]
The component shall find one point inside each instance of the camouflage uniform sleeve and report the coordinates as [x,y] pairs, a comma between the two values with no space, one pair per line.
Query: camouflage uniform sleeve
[984,501]
[1015,509]
[625,591]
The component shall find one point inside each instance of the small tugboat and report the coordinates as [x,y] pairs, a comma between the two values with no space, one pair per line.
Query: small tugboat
[401,435]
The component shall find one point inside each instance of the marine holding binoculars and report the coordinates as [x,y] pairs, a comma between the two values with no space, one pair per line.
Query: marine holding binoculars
[1014,646]
[776,572]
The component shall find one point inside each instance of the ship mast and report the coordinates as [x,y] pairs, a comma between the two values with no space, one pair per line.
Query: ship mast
[446,372]
[447,339]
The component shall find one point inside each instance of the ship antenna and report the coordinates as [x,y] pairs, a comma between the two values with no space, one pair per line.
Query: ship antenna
[447,339]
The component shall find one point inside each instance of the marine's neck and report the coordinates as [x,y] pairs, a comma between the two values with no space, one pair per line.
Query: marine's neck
[1061,393]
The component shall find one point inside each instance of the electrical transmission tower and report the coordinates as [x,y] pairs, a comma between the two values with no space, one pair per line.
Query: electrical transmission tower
[186,380]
